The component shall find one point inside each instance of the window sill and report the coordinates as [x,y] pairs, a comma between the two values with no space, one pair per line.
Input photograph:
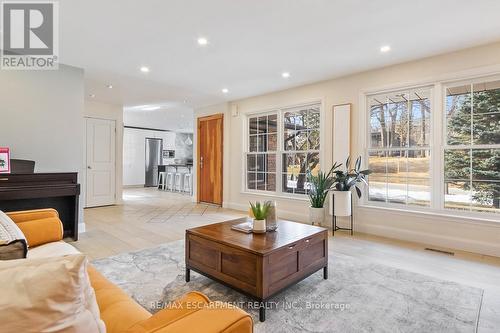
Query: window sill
[441,215]
[277,196]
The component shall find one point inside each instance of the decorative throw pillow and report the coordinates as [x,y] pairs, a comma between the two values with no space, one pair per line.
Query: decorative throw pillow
[13,244]
[48,295]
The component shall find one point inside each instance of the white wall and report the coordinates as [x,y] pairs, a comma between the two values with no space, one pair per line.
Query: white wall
[94,109]
[466,234]
[41,116]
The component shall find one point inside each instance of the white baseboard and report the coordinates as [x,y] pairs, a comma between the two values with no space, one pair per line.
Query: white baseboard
[235,206]
[464,244]
[81,228]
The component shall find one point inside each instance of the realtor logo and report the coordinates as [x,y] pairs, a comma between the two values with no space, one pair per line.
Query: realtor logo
[29,35]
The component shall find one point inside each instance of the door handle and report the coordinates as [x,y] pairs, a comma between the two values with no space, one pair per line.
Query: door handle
[89,167]
[201,162]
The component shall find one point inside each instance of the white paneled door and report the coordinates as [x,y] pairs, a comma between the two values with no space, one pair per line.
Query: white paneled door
[100,162]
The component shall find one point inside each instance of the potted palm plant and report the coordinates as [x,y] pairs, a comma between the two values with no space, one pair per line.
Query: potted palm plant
[345,180]
[260,211]
[320,184]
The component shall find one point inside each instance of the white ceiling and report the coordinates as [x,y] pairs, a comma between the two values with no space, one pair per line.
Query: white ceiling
[252,42]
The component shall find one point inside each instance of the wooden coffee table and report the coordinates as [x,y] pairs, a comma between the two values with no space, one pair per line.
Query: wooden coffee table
[257,265]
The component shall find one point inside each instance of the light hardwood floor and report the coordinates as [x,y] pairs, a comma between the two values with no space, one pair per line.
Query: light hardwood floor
[149,217]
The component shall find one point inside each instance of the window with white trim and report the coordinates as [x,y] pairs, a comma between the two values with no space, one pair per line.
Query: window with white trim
[472,147]
[449,165]
[301,143]
[399,152]
[261,156]
[283,145]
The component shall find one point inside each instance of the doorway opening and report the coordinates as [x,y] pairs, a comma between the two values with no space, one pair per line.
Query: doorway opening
[158,150]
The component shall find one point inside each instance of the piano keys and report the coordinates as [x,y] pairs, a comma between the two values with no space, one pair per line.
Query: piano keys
[43,190]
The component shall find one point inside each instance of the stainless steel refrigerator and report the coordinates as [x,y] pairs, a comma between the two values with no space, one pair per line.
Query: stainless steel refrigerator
[153,158]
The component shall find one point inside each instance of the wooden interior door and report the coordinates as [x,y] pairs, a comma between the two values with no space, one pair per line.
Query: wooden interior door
[209,179]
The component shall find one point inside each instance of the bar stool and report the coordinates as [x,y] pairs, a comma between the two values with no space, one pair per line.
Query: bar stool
[162,180]
[170,181]
[187,182]
[178,182]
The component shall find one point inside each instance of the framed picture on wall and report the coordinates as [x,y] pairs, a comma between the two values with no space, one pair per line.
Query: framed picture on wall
[4,160]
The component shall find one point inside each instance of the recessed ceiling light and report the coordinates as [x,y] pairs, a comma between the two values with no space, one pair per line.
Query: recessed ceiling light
[225,90]
[109,86]
[385,48]
[285,75]
[144,69]
[92,95]
[202,41]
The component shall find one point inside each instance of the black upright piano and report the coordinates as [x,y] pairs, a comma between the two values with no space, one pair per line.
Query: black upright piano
[43,190]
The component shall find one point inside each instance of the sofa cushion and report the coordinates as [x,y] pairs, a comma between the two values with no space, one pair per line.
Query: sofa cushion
[53,249]
[216,317]
[118,311]
[183,307]
[41,231]
[40,226]
[13,243]
[48,295]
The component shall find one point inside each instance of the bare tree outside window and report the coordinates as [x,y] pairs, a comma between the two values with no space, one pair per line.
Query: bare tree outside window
[399,151]
[302,143]
[298,130]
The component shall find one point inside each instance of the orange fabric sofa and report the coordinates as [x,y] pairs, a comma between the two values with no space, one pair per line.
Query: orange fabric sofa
[192,313]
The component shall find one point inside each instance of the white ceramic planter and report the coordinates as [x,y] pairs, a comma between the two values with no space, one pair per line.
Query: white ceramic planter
[316,215]
[342,203]
[259,226]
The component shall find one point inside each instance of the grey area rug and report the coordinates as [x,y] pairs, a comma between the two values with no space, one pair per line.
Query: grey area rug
[358,296]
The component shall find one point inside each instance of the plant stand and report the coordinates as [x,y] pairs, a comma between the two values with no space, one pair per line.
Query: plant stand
[334,219]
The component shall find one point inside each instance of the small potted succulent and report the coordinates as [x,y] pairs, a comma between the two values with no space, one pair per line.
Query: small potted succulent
[345,180]
[260,211]
[320,184]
